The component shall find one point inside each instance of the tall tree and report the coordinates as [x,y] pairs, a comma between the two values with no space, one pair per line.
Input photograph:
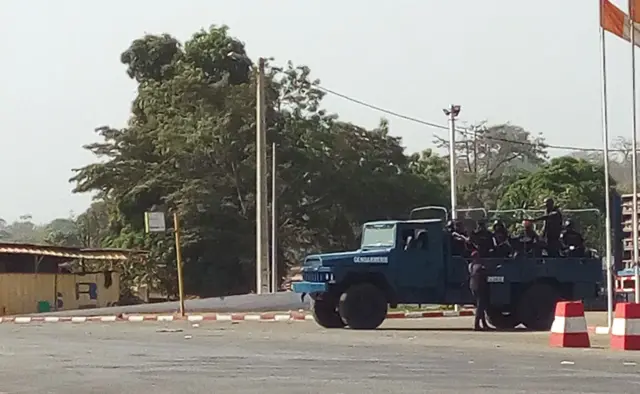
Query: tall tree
[573,183]
[189,148]
[489,157]
[620,167]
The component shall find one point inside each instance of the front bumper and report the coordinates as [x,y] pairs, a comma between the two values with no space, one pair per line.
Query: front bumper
[310,287]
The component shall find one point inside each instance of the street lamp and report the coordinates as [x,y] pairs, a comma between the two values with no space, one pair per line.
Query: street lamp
[452,112]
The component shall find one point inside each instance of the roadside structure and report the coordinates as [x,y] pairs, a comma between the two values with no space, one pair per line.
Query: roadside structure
[42,278]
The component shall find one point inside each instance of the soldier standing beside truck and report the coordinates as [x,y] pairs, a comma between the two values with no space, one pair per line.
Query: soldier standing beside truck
[480,290]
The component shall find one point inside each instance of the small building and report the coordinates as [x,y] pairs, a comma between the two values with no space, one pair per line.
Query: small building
[38,278]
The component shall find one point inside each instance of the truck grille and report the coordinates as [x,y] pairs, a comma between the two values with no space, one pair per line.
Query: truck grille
[314,276]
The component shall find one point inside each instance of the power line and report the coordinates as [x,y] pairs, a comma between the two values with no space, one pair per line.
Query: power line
[463,131]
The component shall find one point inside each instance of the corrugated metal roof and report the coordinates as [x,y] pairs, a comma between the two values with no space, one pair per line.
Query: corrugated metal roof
[69,253]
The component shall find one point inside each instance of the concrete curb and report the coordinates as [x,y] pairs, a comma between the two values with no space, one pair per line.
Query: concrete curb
[232,317]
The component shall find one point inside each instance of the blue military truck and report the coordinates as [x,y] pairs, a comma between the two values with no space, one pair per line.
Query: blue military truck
[356,288]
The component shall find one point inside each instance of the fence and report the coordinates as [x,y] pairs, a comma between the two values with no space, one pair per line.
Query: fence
[589,221]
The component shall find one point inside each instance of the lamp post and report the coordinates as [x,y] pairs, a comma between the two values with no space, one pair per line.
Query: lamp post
[452,112]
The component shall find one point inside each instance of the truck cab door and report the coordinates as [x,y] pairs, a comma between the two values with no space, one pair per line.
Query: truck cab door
[419,267]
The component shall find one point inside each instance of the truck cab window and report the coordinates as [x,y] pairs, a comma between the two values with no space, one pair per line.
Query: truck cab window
[378,235]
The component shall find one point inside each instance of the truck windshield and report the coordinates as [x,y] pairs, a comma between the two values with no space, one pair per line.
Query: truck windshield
[378,235]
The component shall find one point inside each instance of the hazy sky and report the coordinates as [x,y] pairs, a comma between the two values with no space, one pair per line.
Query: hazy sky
[533,63]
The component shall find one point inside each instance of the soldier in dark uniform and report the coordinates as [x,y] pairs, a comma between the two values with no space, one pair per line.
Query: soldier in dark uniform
[502,246]
[458,227]
[459,240]
[572,240]
[552,227]
[528,241]
[482,239]
[480,290]
[457,243]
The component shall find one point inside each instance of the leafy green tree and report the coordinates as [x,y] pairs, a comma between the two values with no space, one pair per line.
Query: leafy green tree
[23,230]
[62,232]
[189,147]
[573,183]
[489,157]
[620,166]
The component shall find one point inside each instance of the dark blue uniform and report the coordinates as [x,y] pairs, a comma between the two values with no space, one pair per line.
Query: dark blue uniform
[480,290]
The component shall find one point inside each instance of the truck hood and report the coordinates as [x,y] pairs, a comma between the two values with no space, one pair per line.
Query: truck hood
[377,256]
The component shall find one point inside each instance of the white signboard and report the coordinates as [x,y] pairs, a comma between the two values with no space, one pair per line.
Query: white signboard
[495,279]
[154,222]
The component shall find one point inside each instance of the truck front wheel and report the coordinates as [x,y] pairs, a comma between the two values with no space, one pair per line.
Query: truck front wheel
[502,320]
[537,306]
[363,306]
[325,312]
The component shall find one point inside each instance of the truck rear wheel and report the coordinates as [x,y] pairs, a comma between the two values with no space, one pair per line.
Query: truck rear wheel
[502,320]
[325,313]
[363,306]
[537,305]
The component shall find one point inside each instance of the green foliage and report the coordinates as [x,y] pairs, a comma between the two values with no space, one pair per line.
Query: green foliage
[573,183]
[22,230]
[490,157]
[189,148]
[59,232]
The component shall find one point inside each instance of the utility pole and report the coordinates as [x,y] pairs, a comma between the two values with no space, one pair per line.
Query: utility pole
[607,186]
[274,222]
[262,219]
[475,151]
[176,233]
[634,163]
[452,112]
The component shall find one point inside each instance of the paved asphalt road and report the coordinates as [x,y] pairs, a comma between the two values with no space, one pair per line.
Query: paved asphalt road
[428,356]
[284,301]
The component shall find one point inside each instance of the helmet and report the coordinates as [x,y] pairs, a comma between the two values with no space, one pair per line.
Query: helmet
[549,203]
[568,224]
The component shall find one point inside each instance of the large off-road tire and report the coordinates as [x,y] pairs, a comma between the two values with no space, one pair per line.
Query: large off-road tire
[363,306]
[325,312]
[502,320]
[537,305]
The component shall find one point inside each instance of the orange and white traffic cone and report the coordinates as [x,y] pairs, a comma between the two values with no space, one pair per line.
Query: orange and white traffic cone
[625,330]
[569,327]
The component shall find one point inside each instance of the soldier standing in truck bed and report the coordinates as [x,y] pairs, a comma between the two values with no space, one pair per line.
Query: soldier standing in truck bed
[459,240]
[502,246]
[572,240]
[552,227]
[482,239]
